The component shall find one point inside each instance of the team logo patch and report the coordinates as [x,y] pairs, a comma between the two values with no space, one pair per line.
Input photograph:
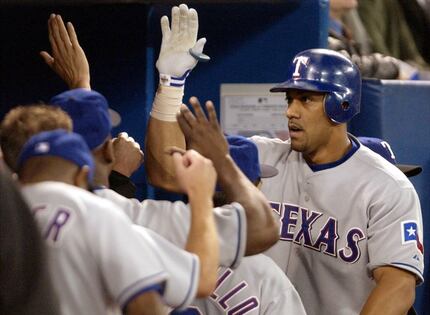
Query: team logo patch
[42,147]
[410,234]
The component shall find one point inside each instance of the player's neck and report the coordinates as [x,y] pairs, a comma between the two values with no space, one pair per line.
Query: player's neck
[44,178]
[44,169]
[335,149]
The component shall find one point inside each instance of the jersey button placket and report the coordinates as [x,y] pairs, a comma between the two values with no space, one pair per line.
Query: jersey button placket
[307,190]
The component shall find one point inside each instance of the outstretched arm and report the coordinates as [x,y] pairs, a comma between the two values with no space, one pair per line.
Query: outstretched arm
[205,136]
[196,177]
[67,59]
[179,45]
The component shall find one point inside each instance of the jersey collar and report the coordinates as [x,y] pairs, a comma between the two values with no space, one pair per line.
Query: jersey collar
[354,148]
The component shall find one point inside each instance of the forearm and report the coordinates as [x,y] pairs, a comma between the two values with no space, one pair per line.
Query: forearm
[203,241]
[262,228]
[163,131]
[159,166]
[391,296]
[149,303]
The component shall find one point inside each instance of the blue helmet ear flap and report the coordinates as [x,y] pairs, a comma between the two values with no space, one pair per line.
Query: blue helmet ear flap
[338,108]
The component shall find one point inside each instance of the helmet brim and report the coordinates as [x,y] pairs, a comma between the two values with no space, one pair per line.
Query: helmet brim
[306,85]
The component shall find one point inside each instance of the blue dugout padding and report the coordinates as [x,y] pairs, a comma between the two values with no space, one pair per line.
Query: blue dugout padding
[399,112]
[247,43]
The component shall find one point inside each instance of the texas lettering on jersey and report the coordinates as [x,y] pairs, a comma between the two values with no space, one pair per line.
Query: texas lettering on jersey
[327,240]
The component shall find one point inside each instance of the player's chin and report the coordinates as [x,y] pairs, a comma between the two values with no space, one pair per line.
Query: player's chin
[297,145]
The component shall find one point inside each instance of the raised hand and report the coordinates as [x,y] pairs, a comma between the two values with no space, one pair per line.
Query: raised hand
[128,155]
[194,173]
[67,58]
[202,134]
[175,60]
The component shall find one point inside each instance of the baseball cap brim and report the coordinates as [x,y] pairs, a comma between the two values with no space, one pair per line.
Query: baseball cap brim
[267,171]
[410,170]
[115,117]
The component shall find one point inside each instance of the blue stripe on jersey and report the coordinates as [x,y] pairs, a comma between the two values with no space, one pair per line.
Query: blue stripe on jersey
[155,287]
[239,240]
[131,290]
[410,266]
[193,275]
[321,167]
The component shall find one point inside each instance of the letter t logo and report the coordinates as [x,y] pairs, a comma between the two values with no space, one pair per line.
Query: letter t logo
[301,60]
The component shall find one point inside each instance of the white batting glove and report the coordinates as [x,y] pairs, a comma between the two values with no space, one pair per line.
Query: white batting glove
[180,51]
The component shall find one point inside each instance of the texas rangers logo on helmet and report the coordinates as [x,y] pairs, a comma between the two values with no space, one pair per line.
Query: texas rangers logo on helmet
[299,61]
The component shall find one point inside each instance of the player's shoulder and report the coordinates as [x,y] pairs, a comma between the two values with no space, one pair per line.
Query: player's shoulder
[377,167]
[114,197]
[77,199]
[147,204]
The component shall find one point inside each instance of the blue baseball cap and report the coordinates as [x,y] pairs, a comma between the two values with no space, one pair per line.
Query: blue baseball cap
[383,148]
[60,143]
[244,152]
[89,111]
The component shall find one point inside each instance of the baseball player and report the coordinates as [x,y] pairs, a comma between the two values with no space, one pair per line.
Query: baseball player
[257,285]
[179,53]
[171,220]
[96,110]
[346,212]
[351,234]
[97,258]
[252,216]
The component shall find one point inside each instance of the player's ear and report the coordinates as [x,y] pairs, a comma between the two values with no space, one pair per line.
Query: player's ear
[81,177]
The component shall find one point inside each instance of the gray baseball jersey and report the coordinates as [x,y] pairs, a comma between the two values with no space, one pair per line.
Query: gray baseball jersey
[256,286]
[172,221]
[98,260]
[339,222]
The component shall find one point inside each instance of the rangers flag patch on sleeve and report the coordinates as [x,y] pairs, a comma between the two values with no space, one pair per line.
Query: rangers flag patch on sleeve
[410,234]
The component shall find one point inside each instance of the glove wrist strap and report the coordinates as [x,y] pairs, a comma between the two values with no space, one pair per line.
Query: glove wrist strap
[169,80]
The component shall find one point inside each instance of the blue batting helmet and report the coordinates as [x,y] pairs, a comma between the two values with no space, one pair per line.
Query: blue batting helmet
[323,70]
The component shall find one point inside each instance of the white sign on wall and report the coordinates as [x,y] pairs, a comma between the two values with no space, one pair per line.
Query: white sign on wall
[250,109]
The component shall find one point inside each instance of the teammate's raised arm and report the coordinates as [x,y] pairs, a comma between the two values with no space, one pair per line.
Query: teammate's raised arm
[205,136]
[67,58]
[179,54]
[196,176]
